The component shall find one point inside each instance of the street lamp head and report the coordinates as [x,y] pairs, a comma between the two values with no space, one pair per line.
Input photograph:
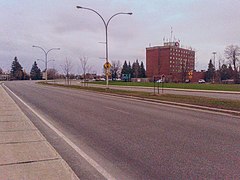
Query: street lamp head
[130,13]
[79,7]
[33,46]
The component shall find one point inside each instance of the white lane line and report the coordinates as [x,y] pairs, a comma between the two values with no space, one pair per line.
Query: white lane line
[121,111]
[100,169]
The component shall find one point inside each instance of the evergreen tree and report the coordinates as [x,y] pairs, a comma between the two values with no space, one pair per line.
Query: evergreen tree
[136,69]
[130,69]
[125,68]
[142,71]
[17,70]
[210,72]
[35,73]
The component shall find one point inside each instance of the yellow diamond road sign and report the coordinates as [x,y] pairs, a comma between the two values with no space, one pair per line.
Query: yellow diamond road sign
[107,65]
[190,73]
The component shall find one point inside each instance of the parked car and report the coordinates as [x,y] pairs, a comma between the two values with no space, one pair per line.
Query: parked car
[160,81]
[102,79]
[201,81]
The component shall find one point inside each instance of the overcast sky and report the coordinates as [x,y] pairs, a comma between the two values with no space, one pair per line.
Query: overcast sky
[205,25]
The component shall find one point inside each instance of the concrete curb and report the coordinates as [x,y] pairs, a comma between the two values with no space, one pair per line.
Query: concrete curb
[25,153]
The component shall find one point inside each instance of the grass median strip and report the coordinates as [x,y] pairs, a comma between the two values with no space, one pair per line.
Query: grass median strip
[193,100]
[207,86]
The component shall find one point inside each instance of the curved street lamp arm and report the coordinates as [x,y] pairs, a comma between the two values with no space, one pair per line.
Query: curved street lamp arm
[40,48]
[52,49]
[41,60]
[51,60]
[105,24]
[116,15]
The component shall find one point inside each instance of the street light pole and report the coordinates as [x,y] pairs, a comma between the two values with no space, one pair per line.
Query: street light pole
[214,54]
[106,23]
[46,57]
[214,61]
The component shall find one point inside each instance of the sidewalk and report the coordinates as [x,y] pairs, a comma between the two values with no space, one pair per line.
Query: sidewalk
[24,153]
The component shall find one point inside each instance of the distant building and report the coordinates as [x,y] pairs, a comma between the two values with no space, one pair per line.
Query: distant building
[175,63]
[4,77]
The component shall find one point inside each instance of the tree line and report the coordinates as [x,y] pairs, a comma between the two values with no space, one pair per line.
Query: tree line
[135,70]
[17,72]
[229,70]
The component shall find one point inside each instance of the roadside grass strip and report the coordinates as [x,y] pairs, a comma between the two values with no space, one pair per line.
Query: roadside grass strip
[195,86]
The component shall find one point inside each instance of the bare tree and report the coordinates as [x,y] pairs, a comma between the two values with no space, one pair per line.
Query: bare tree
[1,71]
[52,73]
[67,67]
[84,65]
[115,69]
[232,53]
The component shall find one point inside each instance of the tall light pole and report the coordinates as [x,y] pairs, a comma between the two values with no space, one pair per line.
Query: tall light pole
[106,23]
[46,56]
[214,61]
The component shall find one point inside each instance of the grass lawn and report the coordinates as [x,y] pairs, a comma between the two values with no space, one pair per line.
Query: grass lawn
[194,100]
[217,87]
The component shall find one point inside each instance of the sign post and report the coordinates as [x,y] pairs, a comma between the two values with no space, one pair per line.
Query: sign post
[154,82]
[190,75]
[107,67]
[163,79]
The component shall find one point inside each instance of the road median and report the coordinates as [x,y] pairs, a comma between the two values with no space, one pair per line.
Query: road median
[214,104]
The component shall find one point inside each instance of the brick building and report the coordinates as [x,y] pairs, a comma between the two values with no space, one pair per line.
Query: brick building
[177,64]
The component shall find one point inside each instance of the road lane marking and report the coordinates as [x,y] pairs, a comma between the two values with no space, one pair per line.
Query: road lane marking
[121,111]
[92,162]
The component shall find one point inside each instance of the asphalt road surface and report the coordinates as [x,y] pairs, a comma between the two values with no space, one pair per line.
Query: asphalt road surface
[130,139]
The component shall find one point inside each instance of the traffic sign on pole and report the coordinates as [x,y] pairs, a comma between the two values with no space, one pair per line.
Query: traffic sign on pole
[107,65]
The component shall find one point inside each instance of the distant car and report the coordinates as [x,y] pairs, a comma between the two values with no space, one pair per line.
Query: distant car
[201,81]
[160,81]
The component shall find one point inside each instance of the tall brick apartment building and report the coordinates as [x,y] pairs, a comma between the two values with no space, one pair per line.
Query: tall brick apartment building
[174,62]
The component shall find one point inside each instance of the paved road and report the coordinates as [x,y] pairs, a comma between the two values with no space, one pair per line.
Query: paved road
[210,94]
[133,139]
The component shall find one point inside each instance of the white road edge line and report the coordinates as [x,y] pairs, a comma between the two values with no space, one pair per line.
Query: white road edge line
[93,163]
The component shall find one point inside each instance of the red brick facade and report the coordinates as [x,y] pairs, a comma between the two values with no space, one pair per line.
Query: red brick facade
[171,60]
